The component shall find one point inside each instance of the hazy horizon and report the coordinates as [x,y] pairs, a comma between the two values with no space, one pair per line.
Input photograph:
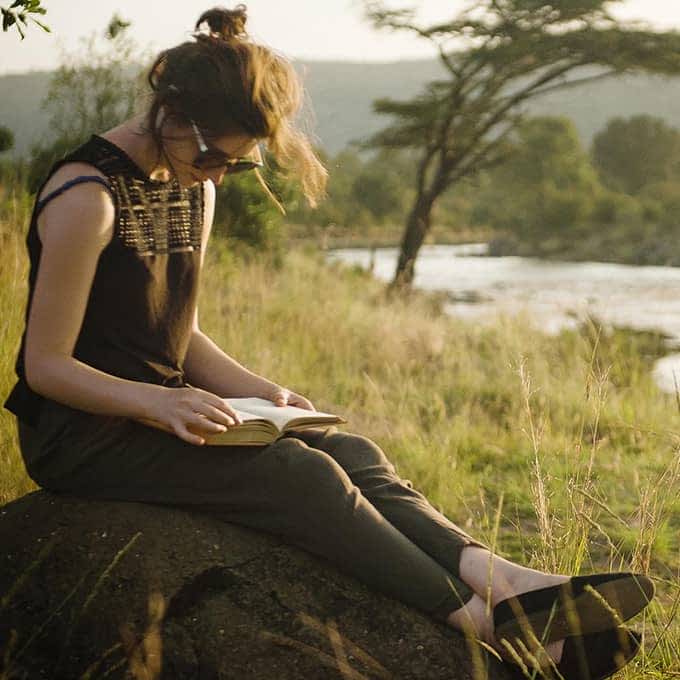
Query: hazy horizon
[304,30]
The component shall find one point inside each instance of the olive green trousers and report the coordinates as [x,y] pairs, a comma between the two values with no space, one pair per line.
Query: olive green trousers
[331,493]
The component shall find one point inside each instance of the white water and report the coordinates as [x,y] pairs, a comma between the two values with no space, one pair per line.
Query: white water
[555,294]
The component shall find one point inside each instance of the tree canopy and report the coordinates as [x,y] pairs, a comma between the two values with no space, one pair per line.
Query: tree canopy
[633,153]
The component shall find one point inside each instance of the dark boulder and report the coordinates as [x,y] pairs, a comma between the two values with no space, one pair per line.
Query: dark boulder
[92,589]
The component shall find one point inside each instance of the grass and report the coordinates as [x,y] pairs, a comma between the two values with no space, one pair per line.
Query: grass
[560,451]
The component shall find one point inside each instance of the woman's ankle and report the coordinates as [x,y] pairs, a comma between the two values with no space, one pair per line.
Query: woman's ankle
[523,580]
[492,577]
[472,619]
[479,568]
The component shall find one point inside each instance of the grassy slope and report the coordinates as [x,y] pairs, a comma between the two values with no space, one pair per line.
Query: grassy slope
[566,439]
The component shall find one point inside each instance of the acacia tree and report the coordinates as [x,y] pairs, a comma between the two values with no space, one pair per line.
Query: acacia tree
[506,52]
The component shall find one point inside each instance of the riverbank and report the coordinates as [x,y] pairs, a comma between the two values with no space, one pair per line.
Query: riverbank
[600,249]
[299,236]
[634,249]
[560,452]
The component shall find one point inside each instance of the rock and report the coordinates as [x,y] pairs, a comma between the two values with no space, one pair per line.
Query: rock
[502,246]
[145,591]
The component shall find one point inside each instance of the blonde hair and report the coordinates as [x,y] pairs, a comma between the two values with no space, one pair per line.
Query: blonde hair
[227,83]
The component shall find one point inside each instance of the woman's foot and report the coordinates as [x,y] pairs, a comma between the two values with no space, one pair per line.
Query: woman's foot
[507,578]
[473,620]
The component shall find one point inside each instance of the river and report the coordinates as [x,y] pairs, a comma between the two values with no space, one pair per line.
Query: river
[555,294]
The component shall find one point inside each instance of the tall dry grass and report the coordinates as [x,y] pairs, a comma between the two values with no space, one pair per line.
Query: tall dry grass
[559,450]
[14,214]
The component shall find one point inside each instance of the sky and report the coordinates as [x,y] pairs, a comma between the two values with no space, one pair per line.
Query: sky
[326,30]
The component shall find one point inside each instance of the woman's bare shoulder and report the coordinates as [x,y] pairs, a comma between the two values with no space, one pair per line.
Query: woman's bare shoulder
[90,202]
[69,171]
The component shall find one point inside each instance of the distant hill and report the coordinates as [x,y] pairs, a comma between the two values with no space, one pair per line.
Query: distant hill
[341,94]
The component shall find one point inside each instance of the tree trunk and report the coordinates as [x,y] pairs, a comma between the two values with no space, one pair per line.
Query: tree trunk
[417,226]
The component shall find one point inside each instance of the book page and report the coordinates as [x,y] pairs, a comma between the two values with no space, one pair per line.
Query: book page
[254,407]
[243,415]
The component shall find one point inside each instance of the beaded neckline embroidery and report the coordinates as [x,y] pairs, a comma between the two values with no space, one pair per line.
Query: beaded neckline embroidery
[154,218]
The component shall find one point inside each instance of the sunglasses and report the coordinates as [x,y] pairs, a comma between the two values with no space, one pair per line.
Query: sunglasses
[209,158]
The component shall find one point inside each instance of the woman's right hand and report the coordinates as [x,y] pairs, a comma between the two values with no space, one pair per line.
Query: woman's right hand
[192,413]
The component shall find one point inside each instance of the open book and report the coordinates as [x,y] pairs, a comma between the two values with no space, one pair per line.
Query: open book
[263,422]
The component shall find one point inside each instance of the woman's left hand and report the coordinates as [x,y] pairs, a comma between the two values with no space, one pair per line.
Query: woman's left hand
[284,397]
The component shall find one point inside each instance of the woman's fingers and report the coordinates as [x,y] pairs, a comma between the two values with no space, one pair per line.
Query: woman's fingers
[193,413]
[216,408]
[205,423]
[182,432]
[300,401]
[225,415]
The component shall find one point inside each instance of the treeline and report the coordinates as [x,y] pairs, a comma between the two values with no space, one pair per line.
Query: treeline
[551,197]
[616,201]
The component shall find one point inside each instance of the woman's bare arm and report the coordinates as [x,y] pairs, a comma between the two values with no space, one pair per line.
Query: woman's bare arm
[207,366]
[74,228]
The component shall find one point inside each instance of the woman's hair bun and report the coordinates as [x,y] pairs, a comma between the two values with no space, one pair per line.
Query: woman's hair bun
[225,23]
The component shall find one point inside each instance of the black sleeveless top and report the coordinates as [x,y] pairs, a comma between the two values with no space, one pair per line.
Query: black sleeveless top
[139,314]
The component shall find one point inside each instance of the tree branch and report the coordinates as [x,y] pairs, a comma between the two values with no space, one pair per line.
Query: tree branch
[512,101]
[573,83]
[478,161]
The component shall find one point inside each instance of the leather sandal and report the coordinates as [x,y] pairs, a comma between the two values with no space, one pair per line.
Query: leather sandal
[594,656]
[582,605]
[598,655]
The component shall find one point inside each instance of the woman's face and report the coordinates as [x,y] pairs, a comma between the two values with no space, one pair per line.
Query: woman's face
[184,146]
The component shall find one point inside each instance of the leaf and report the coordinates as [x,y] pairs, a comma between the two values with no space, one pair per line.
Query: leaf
[44,27]
[7,20]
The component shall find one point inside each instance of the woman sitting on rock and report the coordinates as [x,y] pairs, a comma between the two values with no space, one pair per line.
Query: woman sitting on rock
[116,242]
